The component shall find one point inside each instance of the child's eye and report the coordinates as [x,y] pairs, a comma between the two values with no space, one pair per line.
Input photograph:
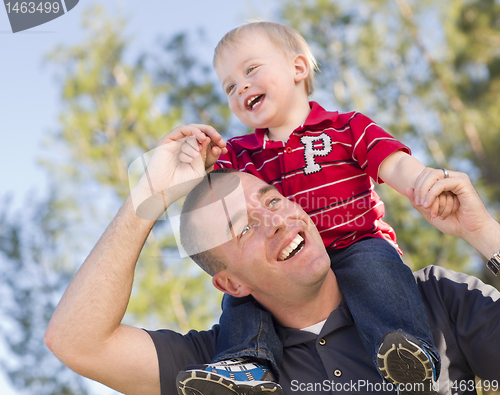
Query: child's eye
[229,89]
[250,69]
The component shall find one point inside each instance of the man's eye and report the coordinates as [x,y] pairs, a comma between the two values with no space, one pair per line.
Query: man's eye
[273,202]
[246,228]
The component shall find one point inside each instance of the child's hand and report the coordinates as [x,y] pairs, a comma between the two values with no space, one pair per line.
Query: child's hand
[444,204]
[209,143]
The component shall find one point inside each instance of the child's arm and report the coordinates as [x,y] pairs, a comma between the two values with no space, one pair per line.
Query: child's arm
[400,171]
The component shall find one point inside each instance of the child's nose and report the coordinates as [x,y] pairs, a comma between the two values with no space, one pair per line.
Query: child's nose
[244,87]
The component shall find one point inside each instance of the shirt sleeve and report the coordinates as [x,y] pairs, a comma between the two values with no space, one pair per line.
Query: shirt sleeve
[176,352]
[371,145]
[472,311]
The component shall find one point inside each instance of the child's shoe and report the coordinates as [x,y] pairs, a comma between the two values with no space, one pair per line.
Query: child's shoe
[237,376]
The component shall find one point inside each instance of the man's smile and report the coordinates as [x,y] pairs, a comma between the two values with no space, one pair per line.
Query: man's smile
[293,248]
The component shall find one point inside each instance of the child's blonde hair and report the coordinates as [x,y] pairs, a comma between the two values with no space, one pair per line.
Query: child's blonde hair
[283,37]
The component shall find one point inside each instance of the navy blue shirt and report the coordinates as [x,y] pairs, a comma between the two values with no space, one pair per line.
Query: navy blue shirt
[464,316]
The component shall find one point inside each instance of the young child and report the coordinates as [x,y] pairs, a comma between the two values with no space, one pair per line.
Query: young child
[325,162]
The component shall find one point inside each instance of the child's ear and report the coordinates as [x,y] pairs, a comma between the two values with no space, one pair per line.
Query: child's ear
[301,67]
[230,285]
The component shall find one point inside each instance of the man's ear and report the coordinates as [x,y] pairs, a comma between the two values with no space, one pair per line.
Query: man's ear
[301,67]
[230,285]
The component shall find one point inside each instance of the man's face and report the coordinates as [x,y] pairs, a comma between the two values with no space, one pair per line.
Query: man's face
[259,80]
[276,246]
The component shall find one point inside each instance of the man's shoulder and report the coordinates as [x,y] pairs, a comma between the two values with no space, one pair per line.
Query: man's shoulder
[448,286]
[464,316]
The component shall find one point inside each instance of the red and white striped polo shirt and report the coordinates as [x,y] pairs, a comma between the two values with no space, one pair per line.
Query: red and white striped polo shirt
[327,166]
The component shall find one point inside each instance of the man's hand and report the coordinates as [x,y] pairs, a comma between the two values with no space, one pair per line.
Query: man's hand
[444,204]
[177,164]
[469,220]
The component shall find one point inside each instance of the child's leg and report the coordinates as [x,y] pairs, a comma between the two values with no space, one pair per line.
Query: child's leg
[247,330]
[381,293]
[247,353]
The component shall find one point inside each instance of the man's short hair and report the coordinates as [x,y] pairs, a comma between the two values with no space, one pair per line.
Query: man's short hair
[283,37]
[215,186]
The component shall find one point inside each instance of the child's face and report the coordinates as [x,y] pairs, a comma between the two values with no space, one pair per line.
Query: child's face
[259,80]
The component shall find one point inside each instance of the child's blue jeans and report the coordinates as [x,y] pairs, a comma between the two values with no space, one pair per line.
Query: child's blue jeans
[378,287]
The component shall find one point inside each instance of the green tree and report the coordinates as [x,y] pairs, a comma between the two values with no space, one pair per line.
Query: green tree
[34,271]
[114,111]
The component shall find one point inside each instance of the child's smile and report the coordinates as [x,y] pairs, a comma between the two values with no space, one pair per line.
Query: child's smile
[261,83]
[254,102]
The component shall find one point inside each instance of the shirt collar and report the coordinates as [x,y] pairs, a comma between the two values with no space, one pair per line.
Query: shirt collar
[257,140]
[338,318]
[317,116]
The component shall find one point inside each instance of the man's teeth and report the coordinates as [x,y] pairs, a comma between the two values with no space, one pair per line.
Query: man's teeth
[292,247]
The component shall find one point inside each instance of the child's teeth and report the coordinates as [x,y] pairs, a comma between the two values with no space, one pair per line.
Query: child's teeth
[249,102]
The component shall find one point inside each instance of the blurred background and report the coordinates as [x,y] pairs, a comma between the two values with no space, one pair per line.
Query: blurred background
[82,96]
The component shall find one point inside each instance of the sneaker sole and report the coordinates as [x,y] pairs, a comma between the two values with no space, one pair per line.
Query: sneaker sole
[198,382]
[402,361]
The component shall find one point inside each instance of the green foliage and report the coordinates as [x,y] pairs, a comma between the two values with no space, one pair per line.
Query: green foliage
[30,289]
[475,41]
[111,111]
[427,72]
[114,111]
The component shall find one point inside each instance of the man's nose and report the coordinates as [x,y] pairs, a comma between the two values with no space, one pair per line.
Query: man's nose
[272,222]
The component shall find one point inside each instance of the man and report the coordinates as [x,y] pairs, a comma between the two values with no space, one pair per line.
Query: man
[87,335]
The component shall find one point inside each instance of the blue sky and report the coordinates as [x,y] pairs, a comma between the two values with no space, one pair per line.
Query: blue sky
[29,96]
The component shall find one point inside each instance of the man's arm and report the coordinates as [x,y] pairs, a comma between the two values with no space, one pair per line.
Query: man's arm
[465,315]
[85,331]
